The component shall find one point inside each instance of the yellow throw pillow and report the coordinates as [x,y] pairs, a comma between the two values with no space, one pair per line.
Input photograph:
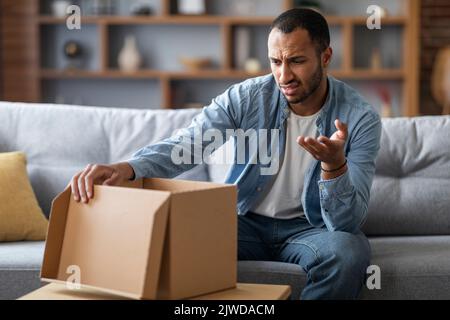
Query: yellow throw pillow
[21,218]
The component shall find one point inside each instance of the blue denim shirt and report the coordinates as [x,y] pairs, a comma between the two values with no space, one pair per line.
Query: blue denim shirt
[340,204]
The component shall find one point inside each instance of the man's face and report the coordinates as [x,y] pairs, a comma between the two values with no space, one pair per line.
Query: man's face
[295,64]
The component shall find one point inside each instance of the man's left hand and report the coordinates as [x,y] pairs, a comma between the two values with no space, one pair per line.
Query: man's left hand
[330,151]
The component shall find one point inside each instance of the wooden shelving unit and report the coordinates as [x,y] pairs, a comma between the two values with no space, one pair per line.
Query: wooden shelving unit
[207,19]
[213,74]
[407,73]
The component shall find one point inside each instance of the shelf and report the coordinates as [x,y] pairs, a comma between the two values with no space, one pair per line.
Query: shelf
[209,74]
[382,74]
[172,19]
[148,74]
[208,19]
[214,74]
[77,74]
[248,20]
[57,20]
[358,20]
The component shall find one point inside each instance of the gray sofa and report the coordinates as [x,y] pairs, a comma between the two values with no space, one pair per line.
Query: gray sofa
[409,213]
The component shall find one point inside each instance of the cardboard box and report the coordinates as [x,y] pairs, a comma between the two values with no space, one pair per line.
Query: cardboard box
[149,239]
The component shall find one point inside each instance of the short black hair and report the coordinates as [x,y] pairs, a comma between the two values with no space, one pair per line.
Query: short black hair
[308,19]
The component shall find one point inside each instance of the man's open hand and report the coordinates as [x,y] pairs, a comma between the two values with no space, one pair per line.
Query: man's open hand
[328,150]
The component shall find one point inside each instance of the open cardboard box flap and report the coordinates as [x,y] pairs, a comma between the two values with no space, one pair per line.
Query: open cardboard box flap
[115,243]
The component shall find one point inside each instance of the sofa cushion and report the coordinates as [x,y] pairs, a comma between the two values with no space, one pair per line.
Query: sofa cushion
[410,267]
[21,218]
[49,182]
[410,192]
[414,267]
[20,264]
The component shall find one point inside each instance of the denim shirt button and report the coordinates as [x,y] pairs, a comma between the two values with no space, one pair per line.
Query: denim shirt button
[258,189]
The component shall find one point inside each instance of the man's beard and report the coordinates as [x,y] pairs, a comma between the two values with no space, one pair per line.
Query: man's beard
[313,84]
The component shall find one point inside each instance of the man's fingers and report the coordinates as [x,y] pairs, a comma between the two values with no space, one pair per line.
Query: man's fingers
[90,178]
[316,145]
[82,183]
[325,140]
[318,149]
[74,186]
[342,127]
[301,141]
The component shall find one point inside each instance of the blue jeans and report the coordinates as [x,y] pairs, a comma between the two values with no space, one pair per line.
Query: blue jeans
[335,262]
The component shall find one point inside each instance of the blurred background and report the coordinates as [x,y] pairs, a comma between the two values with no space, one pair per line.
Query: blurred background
[182,53]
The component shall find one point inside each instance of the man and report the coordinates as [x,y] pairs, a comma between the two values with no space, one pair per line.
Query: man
[311,210]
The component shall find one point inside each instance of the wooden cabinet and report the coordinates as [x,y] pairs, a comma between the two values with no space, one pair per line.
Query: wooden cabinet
[165,36]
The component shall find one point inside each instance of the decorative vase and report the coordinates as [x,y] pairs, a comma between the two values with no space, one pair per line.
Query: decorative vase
[386,110]
[194,7]
[129,57]
[375,59]
[59,8]
[252,65]
[440,79]
[386,102]
[73,52]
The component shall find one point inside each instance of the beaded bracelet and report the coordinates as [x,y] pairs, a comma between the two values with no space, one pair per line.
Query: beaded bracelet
[334,169]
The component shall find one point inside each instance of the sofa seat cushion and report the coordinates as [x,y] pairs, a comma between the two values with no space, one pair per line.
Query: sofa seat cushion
[410,267]
[20,264]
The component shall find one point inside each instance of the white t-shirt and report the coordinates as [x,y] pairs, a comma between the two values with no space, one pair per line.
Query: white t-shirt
[283,199]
